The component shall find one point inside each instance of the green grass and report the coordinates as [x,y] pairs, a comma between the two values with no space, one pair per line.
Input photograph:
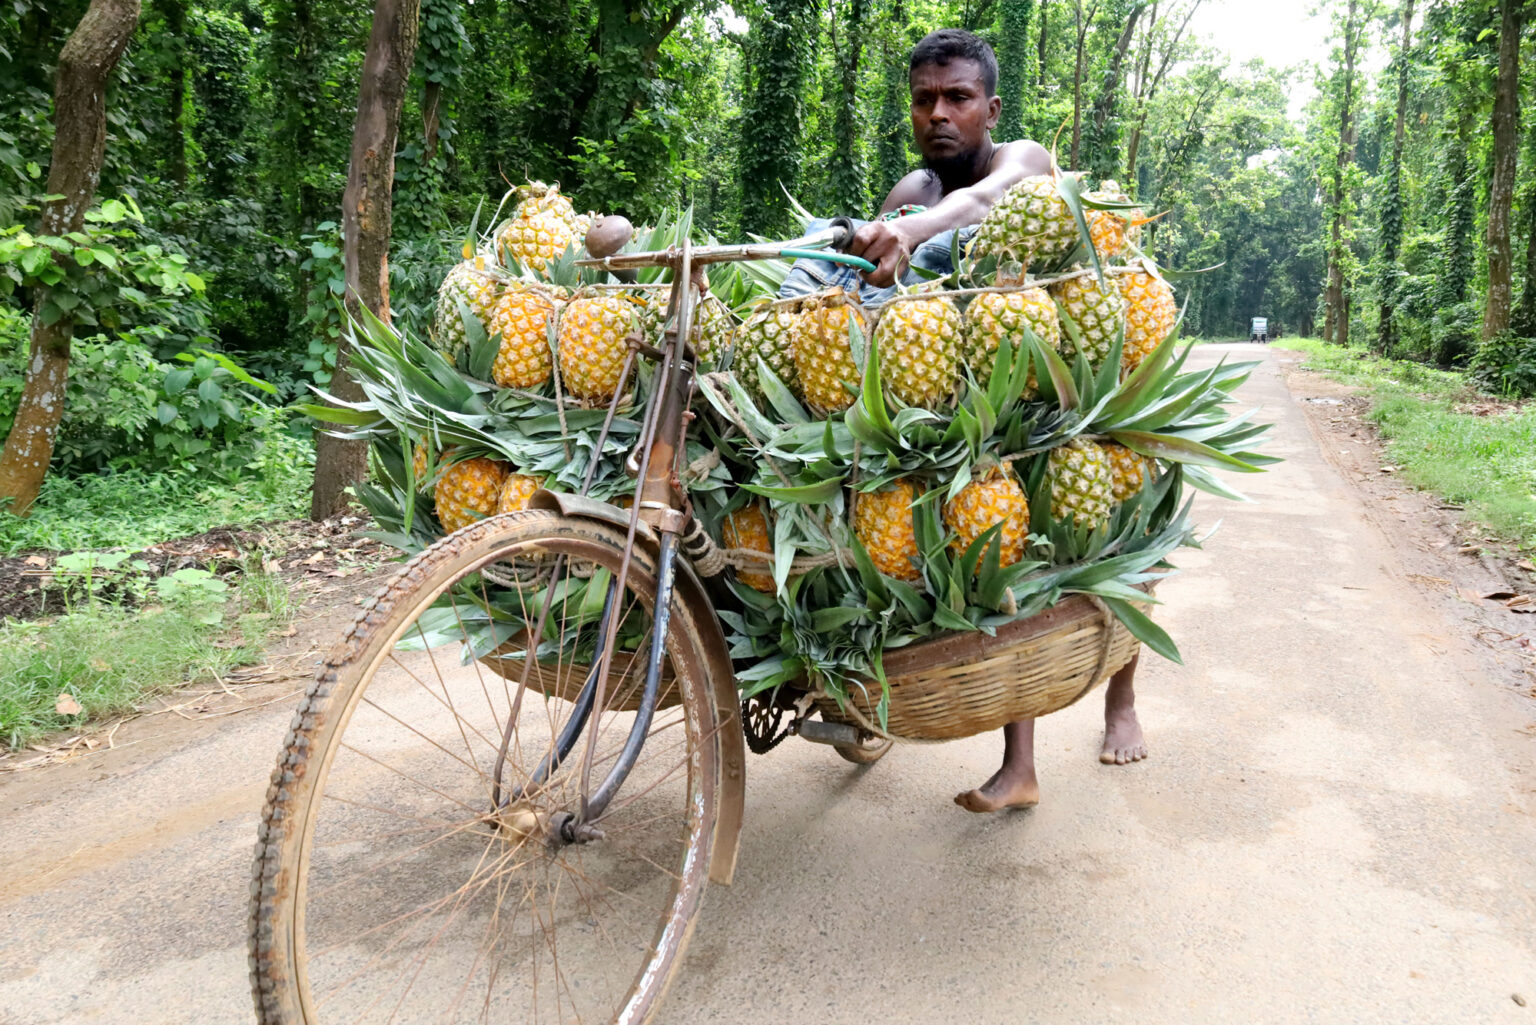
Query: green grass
[1485,463]
[108,658]
[134,509]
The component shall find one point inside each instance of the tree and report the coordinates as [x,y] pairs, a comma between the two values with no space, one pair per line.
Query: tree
[771,115]
[1352,36]
[1160,45]
[895,103]
[366,211]
[1392,205]
[1103,151]
[85,67]
[1501,187]
[848,185]
[1082,22]
[1013,56]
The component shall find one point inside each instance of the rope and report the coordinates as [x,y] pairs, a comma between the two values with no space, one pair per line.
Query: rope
[1109,636]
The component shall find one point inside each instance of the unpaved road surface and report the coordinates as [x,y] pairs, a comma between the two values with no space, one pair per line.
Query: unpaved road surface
[1337,824]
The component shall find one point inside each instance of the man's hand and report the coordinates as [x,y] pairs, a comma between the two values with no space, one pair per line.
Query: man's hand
[882,243]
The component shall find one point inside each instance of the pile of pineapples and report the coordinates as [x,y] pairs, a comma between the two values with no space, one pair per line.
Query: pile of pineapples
[967,453]
[973,449]
[518,298]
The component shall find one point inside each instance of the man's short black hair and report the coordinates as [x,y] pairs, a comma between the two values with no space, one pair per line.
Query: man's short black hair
[949,44]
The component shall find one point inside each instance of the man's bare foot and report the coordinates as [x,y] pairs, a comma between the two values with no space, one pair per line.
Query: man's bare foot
[1014,785]
[1123,742]
[1001,791]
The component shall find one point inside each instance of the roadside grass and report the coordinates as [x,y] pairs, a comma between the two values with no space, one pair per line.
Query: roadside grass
[102,658]
[1485,462]
[135,509]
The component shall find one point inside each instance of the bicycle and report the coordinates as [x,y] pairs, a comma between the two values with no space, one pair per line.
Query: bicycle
[528,750]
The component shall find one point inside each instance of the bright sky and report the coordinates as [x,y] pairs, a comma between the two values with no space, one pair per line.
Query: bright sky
[1282,32]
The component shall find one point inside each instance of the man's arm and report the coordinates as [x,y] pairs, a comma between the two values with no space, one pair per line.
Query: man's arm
[890,243]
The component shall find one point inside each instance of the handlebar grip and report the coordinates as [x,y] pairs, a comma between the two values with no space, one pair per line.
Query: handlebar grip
[843,227]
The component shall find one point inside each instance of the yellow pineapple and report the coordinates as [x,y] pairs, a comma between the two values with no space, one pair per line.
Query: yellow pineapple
[1031,223]
[823,358]
[521,322]
[477,287]
[515,492]
[1128,470]
[993,496]
[1110,229]
[468,491]
[713,331]
[919,342]
[421,457]
[747,528]
[1150,314]
[766,335]
[536,197]
[1098,309]
[882,521]
[993,317]
[536,240]
[592,345]
[1081,485]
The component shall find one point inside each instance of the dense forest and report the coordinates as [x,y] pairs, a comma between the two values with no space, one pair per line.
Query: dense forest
[1397,212]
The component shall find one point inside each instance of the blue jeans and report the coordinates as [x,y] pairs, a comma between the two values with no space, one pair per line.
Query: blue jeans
[810,276]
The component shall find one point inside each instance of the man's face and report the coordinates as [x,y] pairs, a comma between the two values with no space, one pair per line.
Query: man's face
[951,112]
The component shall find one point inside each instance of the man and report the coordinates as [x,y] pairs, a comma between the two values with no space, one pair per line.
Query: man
[953,79]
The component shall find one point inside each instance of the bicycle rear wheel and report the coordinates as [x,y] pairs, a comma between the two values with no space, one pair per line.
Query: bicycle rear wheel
[411,865]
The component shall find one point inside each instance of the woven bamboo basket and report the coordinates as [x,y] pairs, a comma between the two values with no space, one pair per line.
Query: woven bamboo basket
[626,678]
[960,685]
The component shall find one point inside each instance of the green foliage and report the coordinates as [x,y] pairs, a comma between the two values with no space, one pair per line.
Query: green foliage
[1505,365]
[103,658]
[135,509]
[1015,60]
[1484,462]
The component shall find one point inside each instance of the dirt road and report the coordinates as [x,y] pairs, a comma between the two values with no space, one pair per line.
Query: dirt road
[1337,824]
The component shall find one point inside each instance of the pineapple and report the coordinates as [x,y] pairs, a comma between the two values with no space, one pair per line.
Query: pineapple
[766,335]
[468,491]
[592,345]
[882,521]
[995,316]
[471,283]
[421,457]
[919,341]
[823,359]
[1098,309]
[1110,229]
[1030,223]
[993,496]
[1082,486]
[1128,470]
[536,240]
[713,331]
[1150,315]
[747,528]
[521,321]
[537,197]
[515,492]
[650,310]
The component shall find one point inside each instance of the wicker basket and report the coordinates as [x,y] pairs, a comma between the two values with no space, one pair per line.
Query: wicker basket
[960,685]
[626,678]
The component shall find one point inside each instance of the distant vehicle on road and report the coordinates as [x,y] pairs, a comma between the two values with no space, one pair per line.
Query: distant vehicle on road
[1259,331]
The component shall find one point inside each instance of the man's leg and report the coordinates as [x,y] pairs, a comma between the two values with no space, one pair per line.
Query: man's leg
[1123,742]
[1014,785]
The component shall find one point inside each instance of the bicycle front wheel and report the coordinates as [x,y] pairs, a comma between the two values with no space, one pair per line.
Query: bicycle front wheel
[412,865]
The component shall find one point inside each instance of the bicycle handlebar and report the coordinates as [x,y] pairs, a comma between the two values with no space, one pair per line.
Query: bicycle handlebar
[838,234]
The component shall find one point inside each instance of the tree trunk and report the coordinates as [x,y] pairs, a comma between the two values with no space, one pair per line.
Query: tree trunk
[1336,319]
[1012,60]
[1392,212]
[1501,189]
[1045,36]
[1083,25]
[1148,90]
[175,14]
[79,143]
[365,225]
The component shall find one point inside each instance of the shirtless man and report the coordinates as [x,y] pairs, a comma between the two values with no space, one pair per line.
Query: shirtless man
[953,76]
